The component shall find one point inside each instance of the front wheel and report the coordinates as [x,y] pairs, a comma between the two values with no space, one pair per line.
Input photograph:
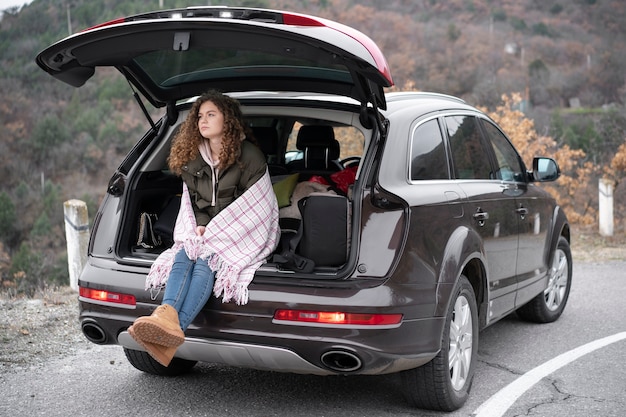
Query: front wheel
[444,383]
[144,362]
[548,306]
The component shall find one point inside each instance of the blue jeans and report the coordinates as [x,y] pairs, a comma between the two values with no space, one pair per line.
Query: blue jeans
[188,287]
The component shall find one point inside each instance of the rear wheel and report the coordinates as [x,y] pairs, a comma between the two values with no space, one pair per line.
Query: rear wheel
[144,362]
[548,306]
[444,383]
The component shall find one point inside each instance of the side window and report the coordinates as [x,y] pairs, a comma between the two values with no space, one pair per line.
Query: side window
[468,154]
[428,155]
[509,165]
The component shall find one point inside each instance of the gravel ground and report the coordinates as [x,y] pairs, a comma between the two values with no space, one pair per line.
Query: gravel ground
[35,330]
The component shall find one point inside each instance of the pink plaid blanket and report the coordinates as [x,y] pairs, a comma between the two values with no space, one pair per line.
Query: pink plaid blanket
[236,242]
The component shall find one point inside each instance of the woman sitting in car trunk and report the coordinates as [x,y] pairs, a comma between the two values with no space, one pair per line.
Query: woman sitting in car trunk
[226,226]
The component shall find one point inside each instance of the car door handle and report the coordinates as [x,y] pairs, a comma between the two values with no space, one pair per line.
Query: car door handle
[481,216]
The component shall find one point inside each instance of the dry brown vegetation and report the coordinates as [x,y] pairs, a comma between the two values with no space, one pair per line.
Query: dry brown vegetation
[572,190]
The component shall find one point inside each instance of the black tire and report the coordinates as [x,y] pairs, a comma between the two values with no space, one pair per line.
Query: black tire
[144,362]
[548,306]
[444,383]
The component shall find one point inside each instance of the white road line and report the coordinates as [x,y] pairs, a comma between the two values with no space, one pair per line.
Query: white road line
[502,400]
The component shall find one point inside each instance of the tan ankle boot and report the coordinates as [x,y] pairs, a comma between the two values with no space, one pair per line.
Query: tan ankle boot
[161,328]
[161,354]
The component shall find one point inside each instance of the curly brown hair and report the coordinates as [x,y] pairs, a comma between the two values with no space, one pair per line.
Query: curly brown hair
[185,143]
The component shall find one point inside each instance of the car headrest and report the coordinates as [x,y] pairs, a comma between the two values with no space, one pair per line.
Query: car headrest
[267,138]
[318,136]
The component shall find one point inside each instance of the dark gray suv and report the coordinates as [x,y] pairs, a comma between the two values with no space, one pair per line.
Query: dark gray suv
[409,221]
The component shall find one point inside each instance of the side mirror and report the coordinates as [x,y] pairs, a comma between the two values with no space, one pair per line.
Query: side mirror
[545,169]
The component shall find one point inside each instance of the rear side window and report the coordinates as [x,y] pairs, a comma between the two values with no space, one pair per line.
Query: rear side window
[428,155]
[468,154]
[509,165]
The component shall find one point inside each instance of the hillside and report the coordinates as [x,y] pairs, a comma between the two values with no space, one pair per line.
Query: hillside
[567,58]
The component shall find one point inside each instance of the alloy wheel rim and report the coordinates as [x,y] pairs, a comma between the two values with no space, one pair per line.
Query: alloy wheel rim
[461,337]
[557,283]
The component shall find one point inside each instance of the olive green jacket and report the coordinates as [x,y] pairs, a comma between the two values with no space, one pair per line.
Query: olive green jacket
[230,184]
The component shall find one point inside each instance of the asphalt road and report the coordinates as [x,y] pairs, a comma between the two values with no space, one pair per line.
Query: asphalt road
[574,367]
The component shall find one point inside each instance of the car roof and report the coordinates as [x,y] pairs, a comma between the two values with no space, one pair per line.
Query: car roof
[405,98]
[173,55]
[424,103]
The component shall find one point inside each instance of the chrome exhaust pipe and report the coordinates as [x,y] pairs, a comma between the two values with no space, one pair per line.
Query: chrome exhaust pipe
[341,361]
[93,332]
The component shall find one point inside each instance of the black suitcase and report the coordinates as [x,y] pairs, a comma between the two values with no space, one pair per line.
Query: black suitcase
[325,229]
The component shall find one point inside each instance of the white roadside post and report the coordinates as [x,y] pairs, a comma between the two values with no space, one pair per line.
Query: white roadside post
[605,207]
[77,236]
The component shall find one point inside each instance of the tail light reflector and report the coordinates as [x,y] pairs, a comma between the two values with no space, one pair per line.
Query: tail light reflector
[107,296]
[338,317]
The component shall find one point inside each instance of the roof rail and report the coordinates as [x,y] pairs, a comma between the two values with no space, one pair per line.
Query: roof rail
[407,95]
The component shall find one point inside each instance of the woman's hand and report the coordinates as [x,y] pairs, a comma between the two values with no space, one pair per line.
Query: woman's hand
[200,230]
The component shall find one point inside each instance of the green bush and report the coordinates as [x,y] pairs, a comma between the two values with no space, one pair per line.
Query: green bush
[58,274]
[8,217]
[113,88]
[52,202]
[541,29]
[556,9]
[49,133]
[26,268]
[87,122]
[42,226]
[518,24]
[499,15]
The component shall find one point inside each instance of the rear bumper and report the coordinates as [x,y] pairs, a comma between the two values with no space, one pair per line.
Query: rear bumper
[237,354]
[332,358]
[247,335]
[286,349]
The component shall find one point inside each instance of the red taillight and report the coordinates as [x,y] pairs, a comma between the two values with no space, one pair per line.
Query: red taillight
[109,23]
[300,20]
[108,296]
[338,317]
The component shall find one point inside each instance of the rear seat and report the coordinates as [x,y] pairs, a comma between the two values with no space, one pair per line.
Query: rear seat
[320,151]
[267,138]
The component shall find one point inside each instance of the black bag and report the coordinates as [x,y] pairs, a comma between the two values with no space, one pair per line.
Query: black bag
[320,238]
[164,226]
[325,229]
[286,256]
[146,238]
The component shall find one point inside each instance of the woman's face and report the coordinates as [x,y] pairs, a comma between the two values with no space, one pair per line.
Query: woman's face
[210,121]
